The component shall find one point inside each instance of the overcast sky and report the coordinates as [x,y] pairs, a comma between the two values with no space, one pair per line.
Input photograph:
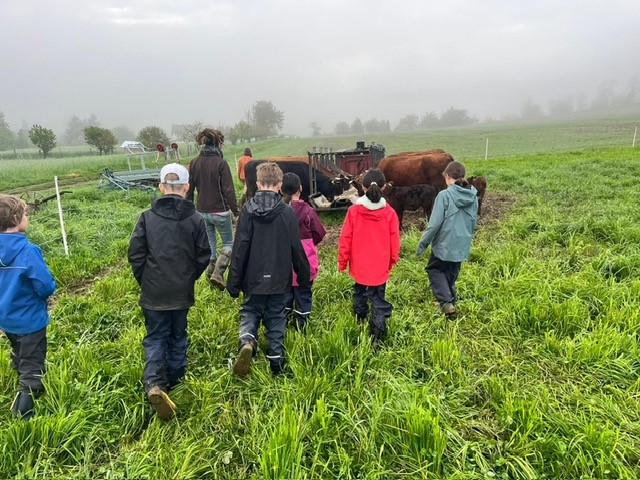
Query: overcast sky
[141,62]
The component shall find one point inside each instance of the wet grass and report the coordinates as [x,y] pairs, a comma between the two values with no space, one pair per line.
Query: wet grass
[536,378]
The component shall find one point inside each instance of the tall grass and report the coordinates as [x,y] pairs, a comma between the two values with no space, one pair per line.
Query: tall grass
[536,378]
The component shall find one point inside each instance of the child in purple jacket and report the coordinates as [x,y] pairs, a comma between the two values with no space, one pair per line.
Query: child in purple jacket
[298,301]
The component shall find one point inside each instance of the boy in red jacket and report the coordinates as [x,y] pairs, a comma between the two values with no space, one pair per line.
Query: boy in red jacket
[370,243]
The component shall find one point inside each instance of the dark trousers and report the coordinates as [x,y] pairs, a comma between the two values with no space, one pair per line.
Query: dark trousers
[298,306]
[443,276]
[165,348]
[381,308]
[268,309]
[28,352]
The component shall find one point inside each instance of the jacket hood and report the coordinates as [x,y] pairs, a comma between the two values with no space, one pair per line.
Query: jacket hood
[11,244]
[463,198]
[372,211]
[265,205]
[173,206]
[211,150]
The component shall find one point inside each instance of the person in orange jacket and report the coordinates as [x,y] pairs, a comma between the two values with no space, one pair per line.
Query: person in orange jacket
[242,161]
[370,244]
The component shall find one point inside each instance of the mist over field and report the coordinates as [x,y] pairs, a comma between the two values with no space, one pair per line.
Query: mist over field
[139,63]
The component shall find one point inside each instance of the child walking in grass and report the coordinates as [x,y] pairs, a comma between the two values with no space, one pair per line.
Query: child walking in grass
[266,247]
[299,300]
[370,244]
[451,226]
[168,251]
[26,285]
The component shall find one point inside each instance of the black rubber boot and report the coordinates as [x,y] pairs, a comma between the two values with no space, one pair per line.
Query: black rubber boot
[22,406]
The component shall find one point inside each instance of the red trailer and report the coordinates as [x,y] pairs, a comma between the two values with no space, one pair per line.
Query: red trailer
[342,163]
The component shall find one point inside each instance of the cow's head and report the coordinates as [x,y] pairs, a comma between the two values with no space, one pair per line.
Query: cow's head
[339,185]
[357,183]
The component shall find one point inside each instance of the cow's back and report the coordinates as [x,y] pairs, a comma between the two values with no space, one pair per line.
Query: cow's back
[300,168]
[411,168]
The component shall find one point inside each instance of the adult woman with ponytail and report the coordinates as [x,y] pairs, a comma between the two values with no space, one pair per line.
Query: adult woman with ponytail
[451,226]
[370,244]
[210,175]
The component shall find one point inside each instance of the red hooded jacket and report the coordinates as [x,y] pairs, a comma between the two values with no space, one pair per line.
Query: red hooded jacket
[369,241]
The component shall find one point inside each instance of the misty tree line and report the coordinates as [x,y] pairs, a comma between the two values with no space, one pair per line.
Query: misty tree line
[264,120]
[261,121]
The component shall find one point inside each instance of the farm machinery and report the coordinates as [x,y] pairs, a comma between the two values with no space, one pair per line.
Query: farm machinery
[143,178]
[347,163]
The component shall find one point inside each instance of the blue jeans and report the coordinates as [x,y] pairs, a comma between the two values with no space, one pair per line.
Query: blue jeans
[224,225]
[165,348]
[270,310]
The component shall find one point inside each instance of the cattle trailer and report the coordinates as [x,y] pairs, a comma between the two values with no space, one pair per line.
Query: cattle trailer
[345,164]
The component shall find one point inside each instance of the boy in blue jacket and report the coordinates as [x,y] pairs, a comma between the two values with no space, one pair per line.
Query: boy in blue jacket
[451,226]
[26,285]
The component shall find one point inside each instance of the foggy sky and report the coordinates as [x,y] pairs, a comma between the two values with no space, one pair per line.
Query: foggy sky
[141,62]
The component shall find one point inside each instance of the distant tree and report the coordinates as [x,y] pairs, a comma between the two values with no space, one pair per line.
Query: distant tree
[357,128]
[101,138]
[385,126]
[429,120]
[455,117]
[560,107]
[632,97]
[605,96]
[240,132]
[316,129]
[7,137]
[187,134]
[74,134]
[43,138]
[22,139]
[151,136]
[531,110]
[266,119]
[123,133]
[92,121]
[343,128]
[410,122]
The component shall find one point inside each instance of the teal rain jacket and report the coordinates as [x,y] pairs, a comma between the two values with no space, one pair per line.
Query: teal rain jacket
[452,222]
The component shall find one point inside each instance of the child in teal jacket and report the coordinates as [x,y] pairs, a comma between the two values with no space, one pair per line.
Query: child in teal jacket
[451,226]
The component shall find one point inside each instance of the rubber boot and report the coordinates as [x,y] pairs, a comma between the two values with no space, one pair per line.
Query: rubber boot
[22,406]
[210,268]
[222,263]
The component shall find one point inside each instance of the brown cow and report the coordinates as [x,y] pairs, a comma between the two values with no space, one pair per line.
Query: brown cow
[480,184]
[413,168]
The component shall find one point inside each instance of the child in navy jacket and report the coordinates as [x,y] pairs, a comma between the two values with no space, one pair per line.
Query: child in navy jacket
[26,285]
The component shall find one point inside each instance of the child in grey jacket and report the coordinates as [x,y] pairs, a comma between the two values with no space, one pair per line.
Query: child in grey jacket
[451,226]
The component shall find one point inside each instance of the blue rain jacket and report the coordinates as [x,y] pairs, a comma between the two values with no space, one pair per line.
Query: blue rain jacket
[25,285]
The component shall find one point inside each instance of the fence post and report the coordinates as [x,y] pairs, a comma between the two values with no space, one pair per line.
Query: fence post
[486,149]
[634,136]
[64,234]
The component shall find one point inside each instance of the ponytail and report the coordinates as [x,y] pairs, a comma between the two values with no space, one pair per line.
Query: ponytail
[374,193]
[373,181]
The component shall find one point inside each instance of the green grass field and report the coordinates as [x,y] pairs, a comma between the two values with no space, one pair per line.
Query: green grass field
[537,377]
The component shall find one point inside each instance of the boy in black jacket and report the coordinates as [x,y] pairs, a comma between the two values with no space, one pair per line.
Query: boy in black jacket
[266,246]
[168,252]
